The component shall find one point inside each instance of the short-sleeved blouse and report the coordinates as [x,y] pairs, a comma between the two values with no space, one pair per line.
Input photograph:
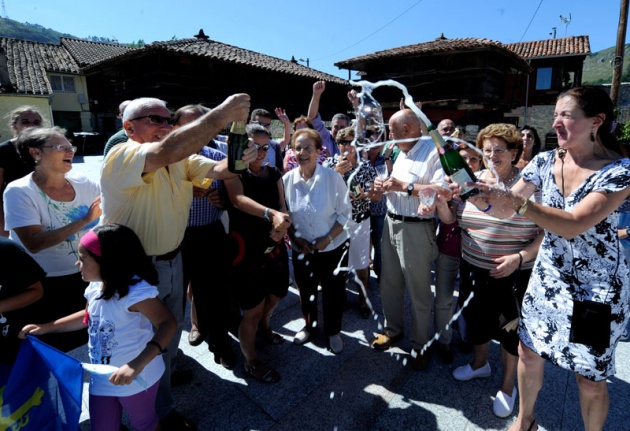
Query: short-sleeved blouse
[590,266]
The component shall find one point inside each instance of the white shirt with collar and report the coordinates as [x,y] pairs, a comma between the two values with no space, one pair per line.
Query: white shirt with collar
[420,165]
[315,205]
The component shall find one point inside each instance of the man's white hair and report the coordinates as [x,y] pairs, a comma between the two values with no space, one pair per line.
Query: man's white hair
[123,106]
[137,106]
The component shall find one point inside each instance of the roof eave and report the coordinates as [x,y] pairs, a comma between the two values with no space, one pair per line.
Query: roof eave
[557,56]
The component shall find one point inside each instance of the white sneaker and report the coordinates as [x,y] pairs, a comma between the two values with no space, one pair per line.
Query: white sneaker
[302,336]
[336,343]
[503,404]
[465,372]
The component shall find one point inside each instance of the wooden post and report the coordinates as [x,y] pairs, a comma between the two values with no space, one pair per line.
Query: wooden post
[619,51]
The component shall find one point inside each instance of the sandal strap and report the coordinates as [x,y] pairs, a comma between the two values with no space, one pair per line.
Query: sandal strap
[262,372]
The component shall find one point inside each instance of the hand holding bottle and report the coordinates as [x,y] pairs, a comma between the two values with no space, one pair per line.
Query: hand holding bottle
[251,152]
[235,108]
[454,165]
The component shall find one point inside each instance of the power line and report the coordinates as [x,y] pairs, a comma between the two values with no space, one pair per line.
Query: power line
[371,34]
[530,21]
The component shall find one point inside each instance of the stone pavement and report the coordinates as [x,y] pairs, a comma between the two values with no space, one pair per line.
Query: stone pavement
[363,389]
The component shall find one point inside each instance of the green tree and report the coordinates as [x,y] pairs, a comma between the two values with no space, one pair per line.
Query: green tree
[139,44]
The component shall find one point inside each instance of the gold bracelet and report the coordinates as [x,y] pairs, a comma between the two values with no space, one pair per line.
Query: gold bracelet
[523,208]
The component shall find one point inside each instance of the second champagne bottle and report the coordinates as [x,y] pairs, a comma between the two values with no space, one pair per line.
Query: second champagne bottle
[237,143]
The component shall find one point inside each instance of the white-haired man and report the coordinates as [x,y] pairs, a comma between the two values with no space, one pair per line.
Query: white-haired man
[146,184]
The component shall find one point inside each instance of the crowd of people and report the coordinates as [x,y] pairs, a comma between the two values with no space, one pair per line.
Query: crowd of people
[536,251]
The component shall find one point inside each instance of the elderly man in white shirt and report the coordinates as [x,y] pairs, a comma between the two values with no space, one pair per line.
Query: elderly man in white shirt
[409,243]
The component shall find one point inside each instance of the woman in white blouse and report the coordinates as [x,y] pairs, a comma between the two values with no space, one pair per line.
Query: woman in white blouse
[317,199]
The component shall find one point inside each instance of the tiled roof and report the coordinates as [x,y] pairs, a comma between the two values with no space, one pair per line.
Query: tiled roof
[28,62]
[439,45]
[231,54]
[87,53]
[563,46]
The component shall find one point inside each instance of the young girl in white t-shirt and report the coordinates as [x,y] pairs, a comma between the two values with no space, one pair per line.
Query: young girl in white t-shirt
[122,309]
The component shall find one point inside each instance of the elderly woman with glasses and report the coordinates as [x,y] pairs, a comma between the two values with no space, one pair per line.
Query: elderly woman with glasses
[290,161]
[496,262]
[47,212]
[258,224]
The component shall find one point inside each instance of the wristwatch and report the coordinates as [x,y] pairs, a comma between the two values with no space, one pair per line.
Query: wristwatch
[410,189]
[627,232]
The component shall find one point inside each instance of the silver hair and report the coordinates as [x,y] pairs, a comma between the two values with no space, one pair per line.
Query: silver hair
[137,106]
[36,137]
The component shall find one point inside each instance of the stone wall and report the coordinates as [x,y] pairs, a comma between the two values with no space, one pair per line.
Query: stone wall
[541,116]
[623,104]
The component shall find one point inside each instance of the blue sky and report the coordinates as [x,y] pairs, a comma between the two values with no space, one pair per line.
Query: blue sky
[324,31]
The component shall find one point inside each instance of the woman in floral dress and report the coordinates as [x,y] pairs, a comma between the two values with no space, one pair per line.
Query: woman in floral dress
[583,184]
[359,175]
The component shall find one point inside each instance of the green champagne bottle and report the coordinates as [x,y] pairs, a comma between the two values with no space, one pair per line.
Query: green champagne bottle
[237,142]
[454,165]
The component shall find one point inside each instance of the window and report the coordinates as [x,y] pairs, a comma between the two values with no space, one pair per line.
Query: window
[543,78]
[62,83]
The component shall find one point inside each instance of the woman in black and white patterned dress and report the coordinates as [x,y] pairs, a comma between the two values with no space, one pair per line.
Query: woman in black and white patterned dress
[583,184]
[359,175]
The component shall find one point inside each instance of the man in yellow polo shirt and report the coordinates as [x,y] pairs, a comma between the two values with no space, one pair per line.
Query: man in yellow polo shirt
[146,184]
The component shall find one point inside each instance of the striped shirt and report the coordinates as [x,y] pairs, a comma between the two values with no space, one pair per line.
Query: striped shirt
[203,212]
[485,238]
[419,165]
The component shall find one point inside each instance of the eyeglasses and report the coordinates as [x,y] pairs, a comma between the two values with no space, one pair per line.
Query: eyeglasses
[158,120]
[62,148]
[260,123]
[308,150]
[346,142]
[261,147]
[497,151]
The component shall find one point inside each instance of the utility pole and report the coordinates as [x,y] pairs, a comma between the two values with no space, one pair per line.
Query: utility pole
[619,50]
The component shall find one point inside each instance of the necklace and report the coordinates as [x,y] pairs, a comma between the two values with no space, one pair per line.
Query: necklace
[509,180]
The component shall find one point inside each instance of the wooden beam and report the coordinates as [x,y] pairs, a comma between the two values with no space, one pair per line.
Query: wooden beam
[619,50]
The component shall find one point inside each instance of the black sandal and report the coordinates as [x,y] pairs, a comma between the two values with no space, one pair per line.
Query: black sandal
[262,372]
[531,426]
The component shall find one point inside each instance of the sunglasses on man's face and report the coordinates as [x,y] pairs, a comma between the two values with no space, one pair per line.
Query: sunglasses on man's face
[262,147]
[158,120]
[260,123]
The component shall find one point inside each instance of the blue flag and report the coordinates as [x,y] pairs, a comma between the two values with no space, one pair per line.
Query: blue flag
[43,390]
